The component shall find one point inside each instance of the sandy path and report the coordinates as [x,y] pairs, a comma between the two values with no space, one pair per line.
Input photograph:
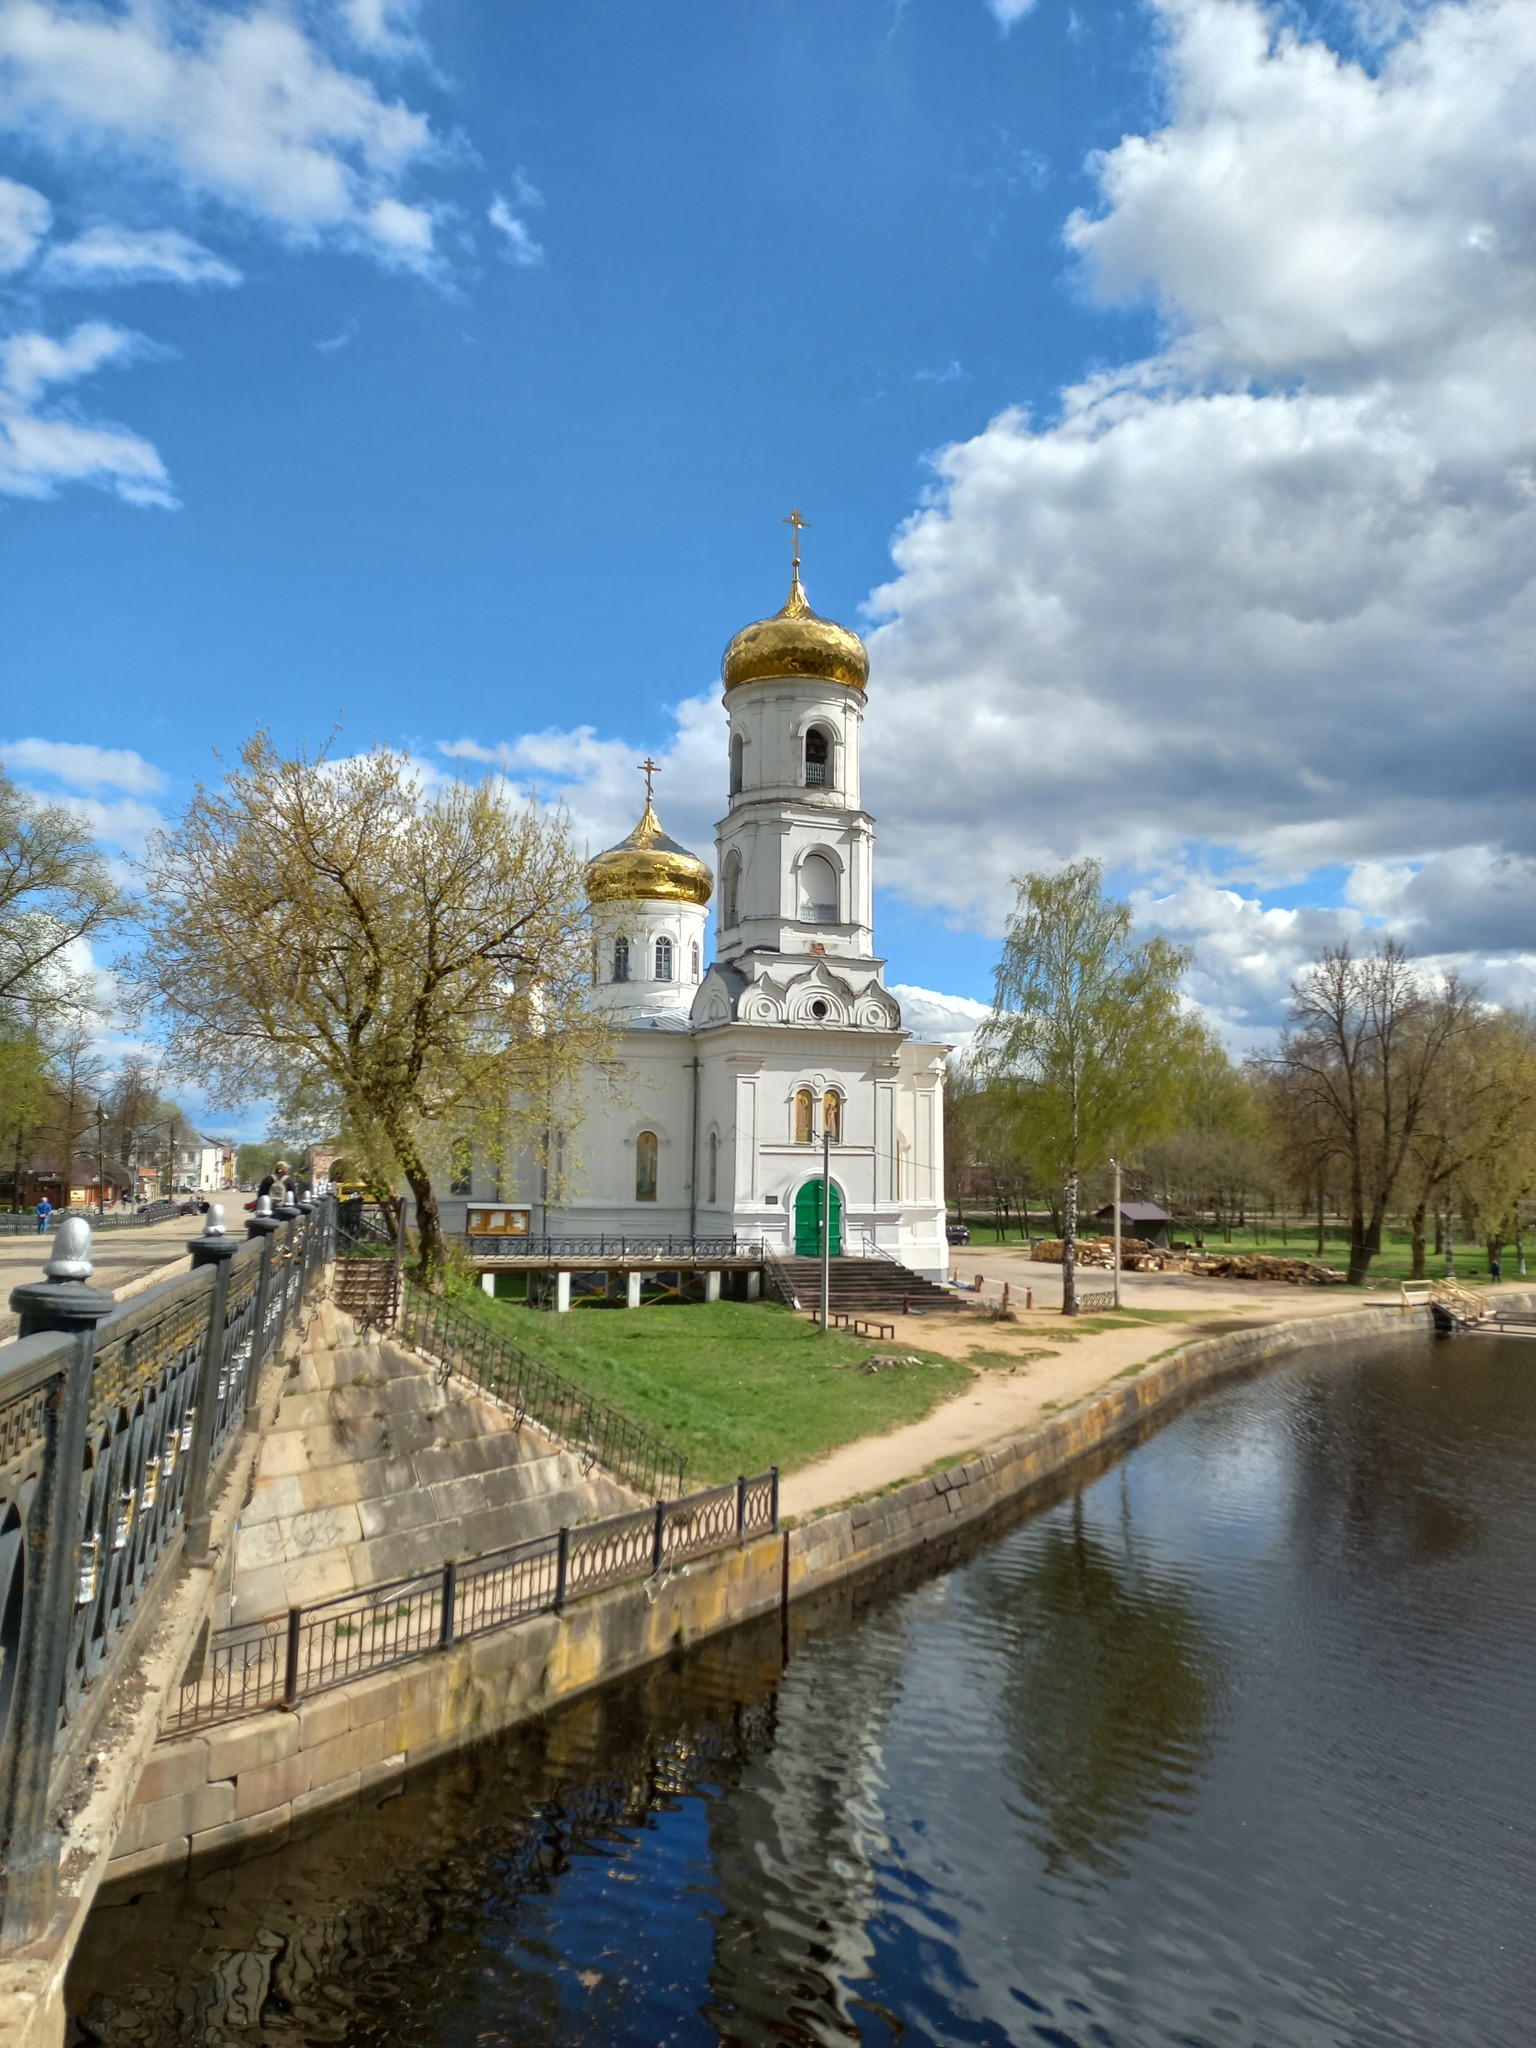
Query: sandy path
[1007,1398]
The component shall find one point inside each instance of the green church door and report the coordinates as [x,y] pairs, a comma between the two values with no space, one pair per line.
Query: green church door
[808,1221]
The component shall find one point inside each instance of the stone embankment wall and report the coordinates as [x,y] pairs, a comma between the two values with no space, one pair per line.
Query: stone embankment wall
[220,1794]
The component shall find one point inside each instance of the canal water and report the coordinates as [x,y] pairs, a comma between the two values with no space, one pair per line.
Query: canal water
[1235,1746]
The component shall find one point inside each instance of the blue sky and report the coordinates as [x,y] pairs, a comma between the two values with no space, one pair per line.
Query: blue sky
[1153,378]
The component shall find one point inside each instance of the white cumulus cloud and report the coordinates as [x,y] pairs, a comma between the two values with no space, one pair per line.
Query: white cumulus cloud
[109,255]
[1263,603]
[44,443]
[518,244]
[79,765]
[25,217]
[241,106]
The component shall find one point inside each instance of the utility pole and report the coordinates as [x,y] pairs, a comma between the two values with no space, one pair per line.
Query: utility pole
[1116,1165]
[1450,1255]
[826,1227]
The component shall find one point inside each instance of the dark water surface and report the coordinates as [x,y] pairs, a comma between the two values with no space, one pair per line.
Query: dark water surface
[1238,1746]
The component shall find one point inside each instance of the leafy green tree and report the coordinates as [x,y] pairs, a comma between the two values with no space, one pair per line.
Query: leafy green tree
[1087,1030]
[401,964]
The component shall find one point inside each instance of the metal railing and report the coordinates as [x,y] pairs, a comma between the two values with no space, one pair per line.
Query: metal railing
[25,1223]
[639,1246]
[459,1343]
[288,1657]
[115,1422]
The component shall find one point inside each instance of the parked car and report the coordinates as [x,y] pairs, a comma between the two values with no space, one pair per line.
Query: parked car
[958,1233]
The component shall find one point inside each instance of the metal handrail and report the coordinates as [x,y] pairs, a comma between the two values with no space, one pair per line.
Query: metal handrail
[460,1343]
[603,1246]
[285,1658]
[113,1431]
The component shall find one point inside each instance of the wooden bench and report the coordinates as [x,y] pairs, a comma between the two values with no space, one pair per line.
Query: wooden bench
[863,1326]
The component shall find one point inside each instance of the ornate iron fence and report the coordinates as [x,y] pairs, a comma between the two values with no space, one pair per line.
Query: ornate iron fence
[114,1424]
[282,1660]
[460,1343]
[639,1247]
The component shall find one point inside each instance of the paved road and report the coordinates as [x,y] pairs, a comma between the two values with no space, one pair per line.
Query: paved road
[118,1255]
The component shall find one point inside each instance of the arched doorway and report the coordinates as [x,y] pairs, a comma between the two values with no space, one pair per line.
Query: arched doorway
[808,1221]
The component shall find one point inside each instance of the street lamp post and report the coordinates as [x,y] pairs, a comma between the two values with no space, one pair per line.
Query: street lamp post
[101,1161]
[1116,1165]
[826,1226]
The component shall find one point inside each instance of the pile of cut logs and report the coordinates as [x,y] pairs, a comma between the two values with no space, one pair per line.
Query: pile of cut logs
[1138,1256]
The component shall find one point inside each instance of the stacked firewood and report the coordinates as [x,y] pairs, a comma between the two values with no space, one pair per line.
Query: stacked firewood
[1138,1256]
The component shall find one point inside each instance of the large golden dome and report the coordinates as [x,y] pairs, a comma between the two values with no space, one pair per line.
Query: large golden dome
[648,866]
[796,642]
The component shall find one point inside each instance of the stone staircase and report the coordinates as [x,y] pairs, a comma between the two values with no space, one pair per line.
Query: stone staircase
[373,1471]
[862,1286]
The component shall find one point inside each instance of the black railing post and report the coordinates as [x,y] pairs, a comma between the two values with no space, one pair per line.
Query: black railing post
[449,1603]
[214,1249]
[265,1226]
[775,1473]
[562,1567]
[741,1508]
[50,1564]
[291,1658]
[659,1543]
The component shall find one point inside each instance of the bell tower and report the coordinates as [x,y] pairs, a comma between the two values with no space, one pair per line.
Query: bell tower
[796,845]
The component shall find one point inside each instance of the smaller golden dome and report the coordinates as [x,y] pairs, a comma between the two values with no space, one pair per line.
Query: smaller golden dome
[796,642]
[648,866]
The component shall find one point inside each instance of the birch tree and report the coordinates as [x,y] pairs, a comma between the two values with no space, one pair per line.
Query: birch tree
[1086,1029]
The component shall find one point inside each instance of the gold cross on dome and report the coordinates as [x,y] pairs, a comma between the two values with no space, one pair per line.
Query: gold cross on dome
[796,522]
[647,769]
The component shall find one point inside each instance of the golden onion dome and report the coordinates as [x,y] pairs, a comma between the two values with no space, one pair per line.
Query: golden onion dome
[648,866]
[796,642]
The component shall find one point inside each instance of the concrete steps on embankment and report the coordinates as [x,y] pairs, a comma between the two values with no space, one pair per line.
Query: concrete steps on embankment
[865,1286]
[373,1471]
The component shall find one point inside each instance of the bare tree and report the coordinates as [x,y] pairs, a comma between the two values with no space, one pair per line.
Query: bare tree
[55,893]
[1359,1065]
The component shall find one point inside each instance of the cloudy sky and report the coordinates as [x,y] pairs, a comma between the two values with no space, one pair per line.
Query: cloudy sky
[1159,381]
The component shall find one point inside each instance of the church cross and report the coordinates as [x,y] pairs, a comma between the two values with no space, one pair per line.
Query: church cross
[647,769]
[796,522]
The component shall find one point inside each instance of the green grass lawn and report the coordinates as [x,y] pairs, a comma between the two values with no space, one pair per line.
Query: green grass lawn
[736,1386]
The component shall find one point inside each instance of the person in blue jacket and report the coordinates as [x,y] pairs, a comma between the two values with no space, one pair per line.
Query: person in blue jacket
[44,1211]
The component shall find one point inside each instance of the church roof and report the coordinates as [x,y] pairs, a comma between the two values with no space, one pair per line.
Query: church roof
[648,867]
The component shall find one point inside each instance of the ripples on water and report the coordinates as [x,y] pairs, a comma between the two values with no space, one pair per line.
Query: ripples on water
[1236,1747]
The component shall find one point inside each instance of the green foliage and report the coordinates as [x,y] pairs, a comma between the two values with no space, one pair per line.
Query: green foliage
[1086,1025]
[55,891]
[737,1386]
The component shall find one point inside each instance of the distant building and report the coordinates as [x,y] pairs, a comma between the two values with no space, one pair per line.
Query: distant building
[1137,1219]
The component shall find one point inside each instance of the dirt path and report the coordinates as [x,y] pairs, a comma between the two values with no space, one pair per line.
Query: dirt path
[1029,1368]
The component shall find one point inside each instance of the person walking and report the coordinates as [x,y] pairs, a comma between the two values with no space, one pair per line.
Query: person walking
[276,1184]
[44,1211]
[1495,1264]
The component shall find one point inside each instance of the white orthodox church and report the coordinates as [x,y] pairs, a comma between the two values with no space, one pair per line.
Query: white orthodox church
[737,1065]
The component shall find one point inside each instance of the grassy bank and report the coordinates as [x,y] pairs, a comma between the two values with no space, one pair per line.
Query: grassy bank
[737,1386]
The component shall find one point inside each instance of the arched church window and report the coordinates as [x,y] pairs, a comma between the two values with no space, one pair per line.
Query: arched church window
[597,962]
[818,890]
[621,958]
[730,890]
[805,1116]
[461,1164]
[714,1165]
[694,959]
[738,751]
[663,959]
[832,1115]
[818,758]
[645,1167]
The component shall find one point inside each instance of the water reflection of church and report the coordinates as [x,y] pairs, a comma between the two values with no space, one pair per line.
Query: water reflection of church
[738,1064]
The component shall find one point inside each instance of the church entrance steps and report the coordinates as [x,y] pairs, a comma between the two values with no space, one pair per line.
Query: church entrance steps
[373,1470]
[860,1286]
